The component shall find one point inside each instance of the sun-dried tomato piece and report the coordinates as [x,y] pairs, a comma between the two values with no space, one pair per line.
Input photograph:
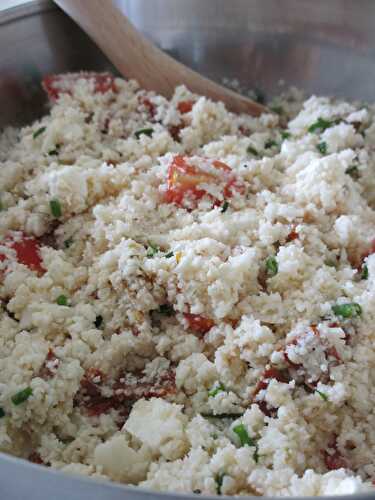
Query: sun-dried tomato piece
[175,130]
[244,131]
[35,458]
[124,391]
[150,106]
[50,365]
[267,376]
[357,257]
[55,85]
[293,235]
[185,106]
[27,251]
[199,324]
[333,458]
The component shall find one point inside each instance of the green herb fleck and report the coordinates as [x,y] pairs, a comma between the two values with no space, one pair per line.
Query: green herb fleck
[256,453]
[277,109]
[98,321]
[252,151]
[224,207]
[330,263]
[271,266]
[55,152]
[219,483]
[55,208]
[68,243]
[285,135]
[1,206]
[353,172]
[322,395]
[322,148]
[259,96]
[364,273]
[39,132]
[144,131]
[320,125]
[62,300]
[152,250]
[349,310]
[2,413]
[169,255]
[22,396]
[270,144]
[166,310]
[215,390]
[232,416]
[243,435]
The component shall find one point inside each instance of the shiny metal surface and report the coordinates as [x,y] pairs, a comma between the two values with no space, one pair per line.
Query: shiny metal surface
[324,47]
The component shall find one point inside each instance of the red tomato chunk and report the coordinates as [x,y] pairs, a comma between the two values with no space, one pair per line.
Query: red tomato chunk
[55,85]
[184,180]
[27,251]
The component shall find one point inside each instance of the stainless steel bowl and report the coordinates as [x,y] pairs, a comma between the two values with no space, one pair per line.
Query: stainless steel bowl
[323,47]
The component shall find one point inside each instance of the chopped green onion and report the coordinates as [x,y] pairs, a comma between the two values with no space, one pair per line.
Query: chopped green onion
[243,435]
[322,148]
[169,255]
[252,151]
[68,243]
[55,208]
[2,413]
[62,300]
[364,273]
[98,321]
[285,135]
[320,125]
[277,109]
[322,395]
[22,396]
[166,309]
[39,132]
[144,131]
[219,483]
[353,172]
[152,250]
[270,144]
[218,388]
[224,207]
[271,266]
[350,310]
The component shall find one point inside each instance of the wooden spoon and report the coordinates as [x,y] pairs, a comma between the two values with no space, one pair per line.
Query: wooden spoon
[135,57]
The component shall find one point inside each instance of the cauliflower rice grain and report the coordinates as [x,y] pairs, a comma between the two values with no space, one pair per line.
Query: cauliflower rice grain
[187,295]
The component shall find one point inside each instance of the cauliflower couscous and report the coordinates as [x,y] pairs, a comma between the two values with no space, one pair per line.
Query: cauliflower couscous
[187,295]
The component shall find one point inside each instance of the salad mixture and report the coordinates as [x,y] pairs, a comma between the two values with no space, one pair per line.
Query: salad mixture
[188,295]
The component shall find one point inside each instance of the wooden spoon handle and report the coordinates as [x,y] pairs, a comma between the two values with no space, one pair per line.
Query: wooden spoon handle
[135,57]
